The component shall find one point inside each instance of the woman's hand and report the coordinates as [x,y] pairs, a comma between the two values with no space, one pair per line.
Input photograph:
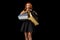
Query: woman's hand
[23,12]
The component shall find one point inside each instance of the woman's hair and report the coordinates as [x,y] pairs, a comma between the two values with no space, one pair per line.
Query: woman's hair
[26,5]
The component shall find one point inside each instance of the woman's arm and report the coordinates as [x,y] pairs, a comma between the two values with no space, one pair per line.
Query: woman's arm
[22,12]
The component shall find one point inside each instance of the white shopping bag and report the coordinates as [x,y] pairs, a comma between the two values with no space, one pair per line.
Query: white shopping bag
[24,16]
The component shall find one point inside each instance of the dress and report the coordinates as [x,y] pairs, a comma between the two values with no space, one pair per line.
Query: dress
[27,25]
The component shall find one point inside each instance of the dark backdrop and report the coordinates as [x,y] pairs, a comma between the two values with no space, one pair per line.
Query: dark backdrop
[42,8]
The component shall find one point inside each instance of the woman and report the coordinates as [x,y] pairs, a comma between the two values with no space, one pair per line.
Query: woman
[28,26]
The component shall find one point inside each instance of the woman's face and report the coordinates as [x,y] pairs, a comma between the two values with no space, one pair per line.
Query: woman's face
[28,6]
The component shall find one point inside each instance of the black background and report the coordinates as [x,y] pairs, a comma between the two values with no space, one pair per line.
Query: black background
[10,25]
[42,8]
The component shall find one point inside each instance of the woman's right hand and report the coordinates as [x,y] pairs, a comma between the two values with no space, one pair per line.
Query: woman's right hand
[23,12]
